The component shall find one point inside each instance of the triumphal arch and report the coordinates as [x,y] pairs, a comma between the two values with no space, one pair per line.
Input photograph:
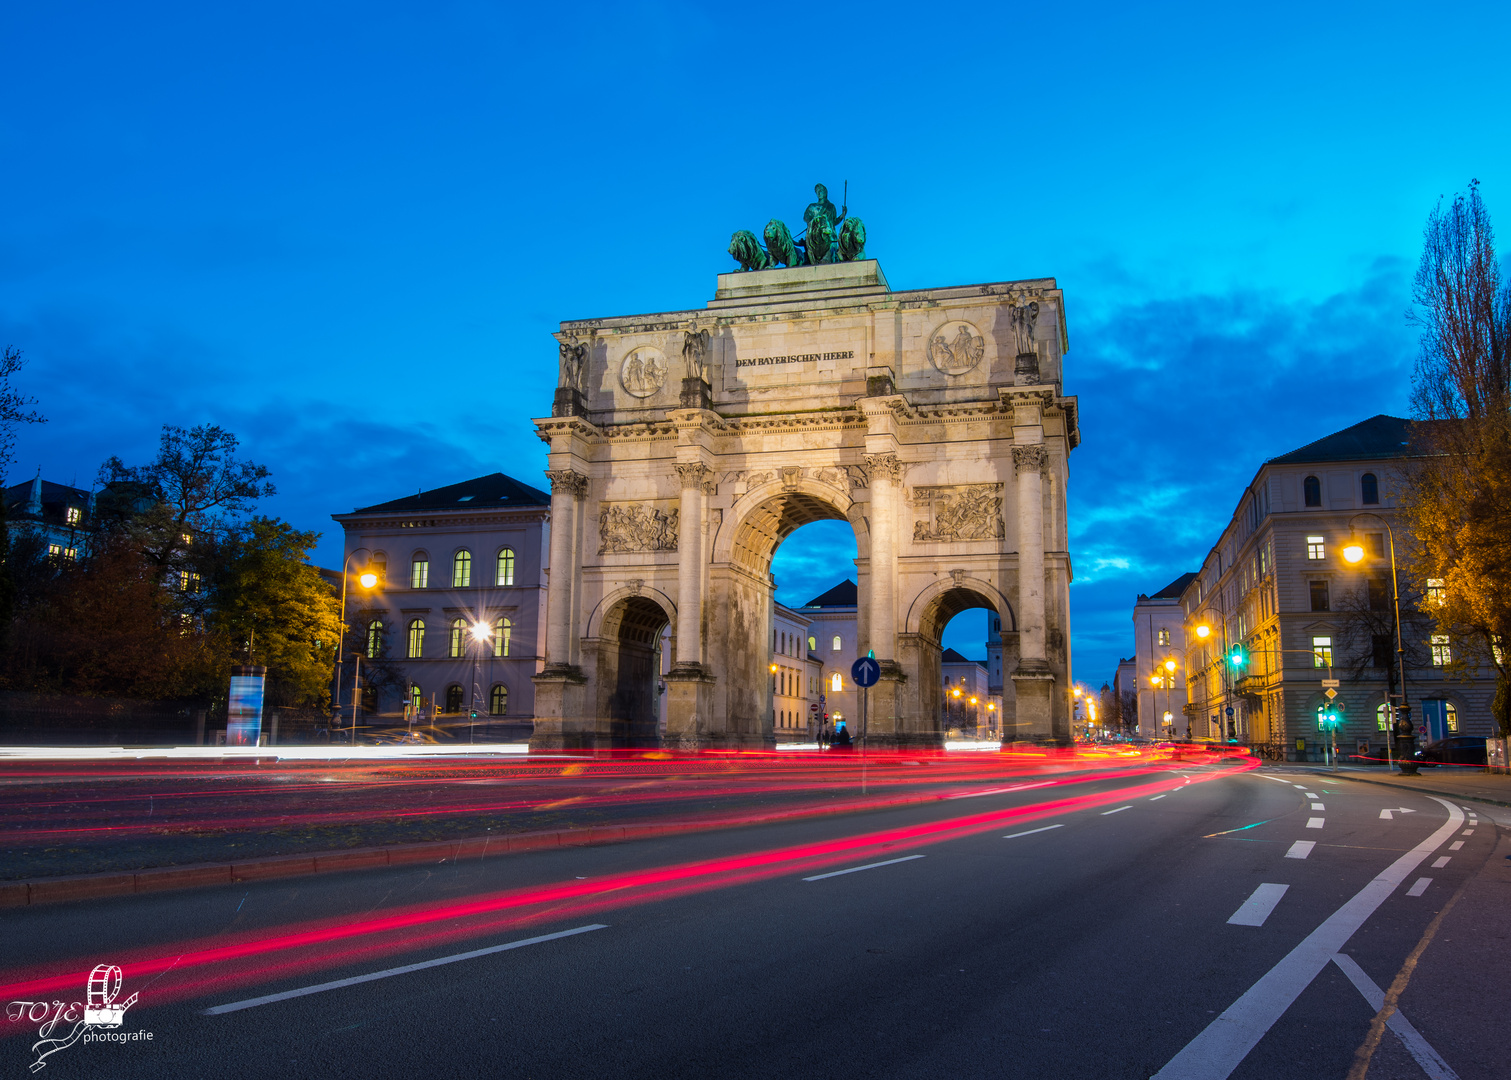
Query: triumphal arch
[685,446]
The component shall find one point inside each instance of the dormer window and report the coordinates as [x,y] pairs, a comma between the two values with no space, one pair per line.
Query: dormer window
[74,515]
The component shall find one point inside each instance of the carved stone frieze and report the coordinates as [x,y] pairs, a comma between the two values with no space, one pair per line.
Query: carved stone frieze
[567,482]
[959,512]
[624,528]
[1028,457]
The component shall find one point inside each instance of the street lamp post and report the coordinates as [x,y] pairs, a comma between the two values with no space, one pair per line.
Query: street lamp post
[1354,553]
[480,635]
[367,580]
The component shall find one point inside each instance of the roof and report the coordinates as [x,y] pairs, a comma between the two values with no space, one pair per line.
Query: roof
[493,490]
[1173,590]
[1378,438]
[952,657]
[845,594]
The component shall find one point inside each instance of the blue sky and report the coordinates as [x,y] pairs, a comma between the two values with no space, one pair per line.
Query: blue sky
[345,231]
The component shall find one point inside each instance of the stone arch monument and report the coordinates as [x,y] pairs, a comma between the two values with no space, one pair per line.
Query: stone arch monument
[685,446]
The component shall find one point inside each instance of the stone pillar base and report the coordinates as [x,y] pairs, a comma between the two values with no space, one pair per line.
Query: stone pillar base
[560,708]
[1034,715]
[696,394]
[1026,369]
[689,704]
[568,402]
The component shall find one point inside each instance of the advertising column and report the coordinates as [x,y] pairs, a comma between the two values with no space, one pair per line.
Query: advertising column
[244,707]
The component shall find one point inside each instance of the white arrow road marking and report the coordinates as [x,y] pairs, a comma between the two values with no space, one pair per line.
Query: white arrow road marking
[1385,814]
[1226,1041]
[1431,1061]
[1256,909]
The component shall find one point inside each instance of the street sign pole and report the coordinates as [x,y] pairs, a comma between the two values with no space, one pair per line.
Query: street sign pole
[865,672]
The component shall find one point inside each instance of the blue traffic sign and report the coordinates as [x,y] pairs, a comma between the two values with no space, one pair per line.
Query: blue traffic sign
[865,671]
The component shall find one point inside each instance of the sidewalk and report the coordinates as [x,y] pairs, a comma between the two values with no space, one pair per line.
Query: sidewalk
[1461,783]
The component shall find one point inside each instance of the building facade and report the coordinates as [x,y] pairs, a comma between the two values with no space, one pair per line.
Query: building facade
[833,638]
[455,622]
[968,704]
[59,516]
[1125,690]
[795,676]
[1160,663]
[1277,589]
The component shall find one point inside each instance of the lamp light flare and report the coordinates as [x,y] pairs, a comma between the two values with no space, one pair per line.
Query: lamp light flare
[481,632]
[1353,552]
[1203,631]
[368,579]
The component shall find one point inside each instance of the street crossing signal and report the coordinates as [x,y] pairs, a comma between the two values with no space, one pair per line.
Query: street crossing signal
[1327,718]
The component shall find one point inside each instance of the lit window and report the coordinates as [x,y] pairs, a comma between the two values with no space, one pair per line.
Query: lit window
[1370,489]
[1382,716]
[1442,654]
[416,638]
[1164,637]
[1313,488]
[461,569]
[502,630]
[813,644]
[74,515]
[1264,560]
[56,551]
[505,575]
[458,637]
[1316,547]
[836,684]
[1495,649]
[837,645]
[1436,592]
[1450,716]
[188,581]
[498,700]
[73,553]
[374,639]
[419,571]
[186,538]
[1322,652]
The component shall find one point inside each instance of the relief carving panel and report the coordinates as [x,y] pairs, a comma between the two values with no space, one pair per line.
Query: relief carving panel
[625,528]
[959,512]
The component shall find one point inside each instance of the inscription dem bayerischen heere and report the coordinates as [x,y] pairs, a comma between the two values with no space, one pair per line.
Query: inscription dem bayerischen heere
[798,358]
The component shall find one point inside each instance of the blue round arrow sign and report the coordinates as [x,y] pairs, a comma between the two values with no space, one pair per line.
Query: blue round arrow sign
[865,671]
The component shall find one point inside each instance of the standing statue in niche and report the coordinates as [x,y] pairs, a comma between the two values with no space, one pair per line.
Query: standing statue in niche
[1023,319]
[573,361]
[696,347]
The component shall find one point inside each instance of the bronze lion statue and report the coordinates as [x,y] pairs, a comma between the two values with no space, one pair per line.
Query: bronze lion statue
[852,240]
[779,245]
[819,243]
[747,251]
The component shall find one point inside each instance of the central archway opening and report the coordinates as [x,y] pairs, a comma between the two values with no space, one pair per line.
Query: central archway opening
[966,686]
[815,631]
[630,663]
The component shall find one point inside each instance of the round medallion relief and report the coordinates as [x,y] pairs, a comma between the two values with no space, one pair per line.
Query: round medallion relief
[643,371]
[956,347]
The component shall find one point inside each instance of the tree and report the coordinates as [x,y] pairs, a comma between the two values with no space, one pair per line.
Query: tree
[7,583]
[1457,497]
[13,406]
[194,489]
[269,606]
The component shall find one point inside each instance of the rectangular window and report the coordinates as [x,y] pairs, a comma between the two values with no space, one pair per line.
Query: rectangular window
[1379,595]
[75,515]
[1436,592]
[1442,654]
[1382,650]
[1164,637]
[1376,544]
[1316,547]
[1319,596]
[505,575]
[1322,652]
[1264,560]
[419,574]
[55,550]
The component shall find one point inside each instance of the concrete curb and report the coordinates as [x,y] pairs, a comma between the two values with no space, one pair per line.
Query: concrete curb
[55,890]
[1408,787]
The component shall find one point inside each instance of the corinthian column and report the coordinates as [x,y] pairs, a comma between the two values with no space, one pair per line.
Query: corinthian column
[1033,682]
[690,566]
[884,474]
[567,489]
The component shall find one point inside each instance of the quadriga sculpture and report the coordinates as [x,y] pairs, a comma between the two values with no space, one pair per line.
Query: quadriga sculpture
[779,245]
[746,250]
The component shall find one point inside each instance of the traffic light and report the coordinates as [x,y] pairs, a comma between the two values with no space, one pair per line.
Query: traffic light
[1238,658]
[1328,718]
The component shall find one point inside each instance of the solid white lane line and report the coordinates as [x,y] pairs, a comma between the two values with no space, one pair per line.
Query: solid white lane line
[1318,806]
[1119,810]
[1030,832]
[1315,822]
[1157,798]
[252,1003]
[858,869]
[1419,886]
[1438,864]
[1301,849]
[1431,1061]
[1256,909]
[1455,845]
[1226,1041]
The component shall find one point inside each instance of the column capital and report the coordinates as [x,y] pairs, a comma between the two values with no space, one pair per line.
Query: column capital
[1028,458]
[692,474]
[567,482]
[879,466]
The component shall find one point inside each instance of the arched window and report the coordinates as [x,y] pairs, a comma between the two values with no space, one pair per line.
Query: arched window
[837,645]
[498,700]
[458,637]
[461,569]
[1450,716]
[1382,716]
[1313,490]
[416,638]
[813,644]
[453,698]
[375,639]
[379,566]
[415,698]
[419,571]
[502,630]
[836,684]
[505,574]
[1369,487]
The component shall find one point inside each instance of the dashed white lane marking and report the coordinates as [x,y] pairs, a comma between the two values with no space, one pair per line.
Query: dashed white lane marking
[858,869]
[1438,864]
[1157,798]
[998,790]
[1467,832]
[1301,849]
[1256,909]
[1315,822]
[1311,795]
[1030,832]
[1118,810]
[1419,886]
[1432,1063]
[1301,786]
[252,1003]
[1455,845]
[1226,1041]
[1318,806]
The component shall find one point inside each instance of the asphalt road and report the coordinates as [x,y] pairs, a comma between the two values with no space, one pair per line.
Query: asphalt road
[1003,935]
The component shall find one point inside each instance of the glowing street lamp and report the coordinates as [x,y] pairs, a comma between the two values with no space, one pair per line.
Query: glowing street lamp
[1353,552]
[1203,631]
